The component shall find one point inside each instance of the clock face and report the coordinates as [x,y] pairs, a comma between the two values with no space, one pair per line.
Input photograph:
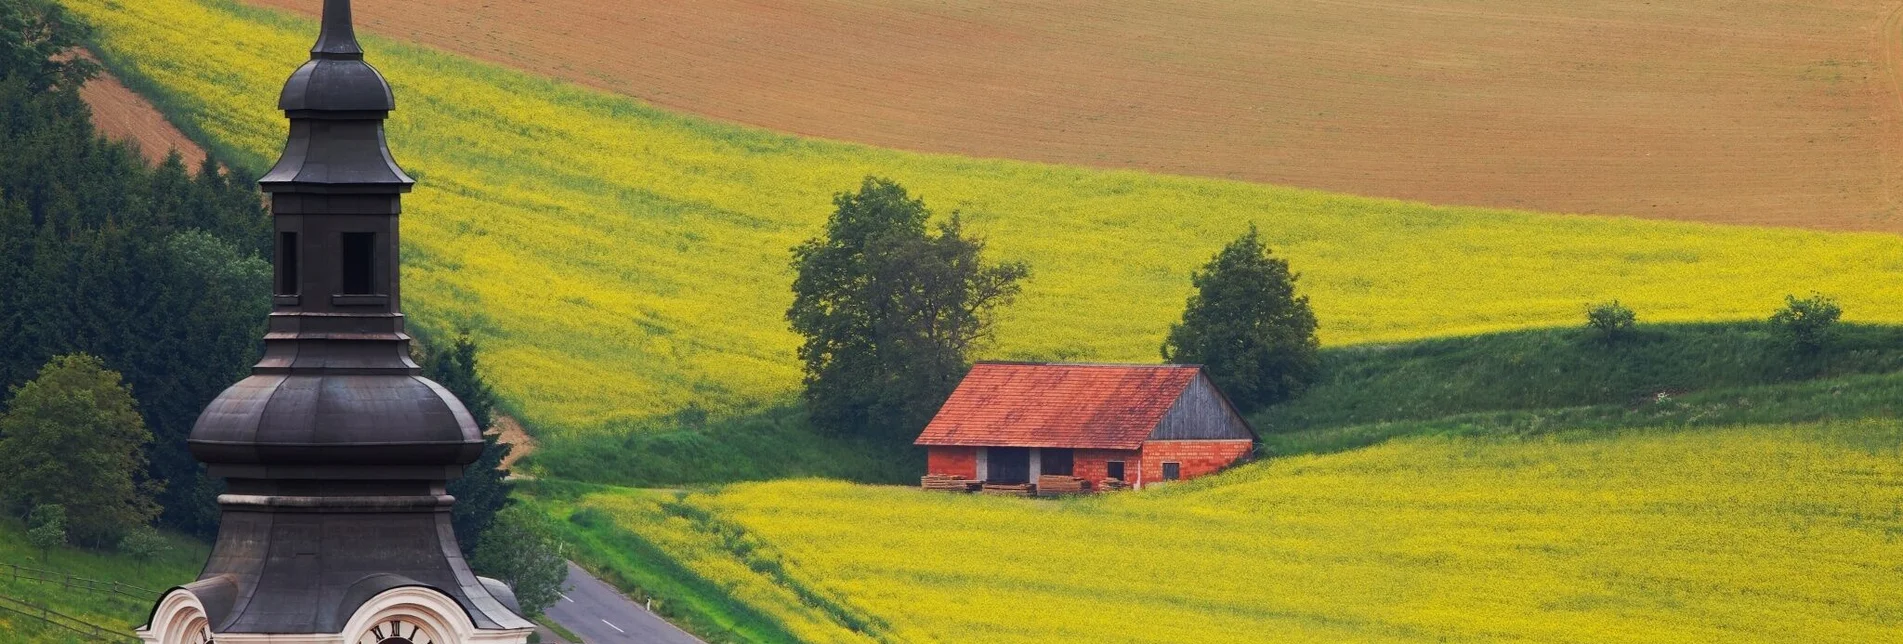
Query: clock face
[395,631]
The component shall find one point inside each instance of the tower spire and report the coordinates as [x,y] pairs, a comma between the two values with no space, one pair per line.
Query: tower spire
[336,452]
[337,39]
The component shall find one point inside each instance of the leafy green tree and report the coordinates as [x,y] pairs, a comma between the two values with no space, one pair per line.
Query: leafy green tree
[38,36]
[46,529]
[74,438]
[484,488]
[1247,327]
[143,544]
[1611,321]
[523,550]
[1807,324]
[891,311]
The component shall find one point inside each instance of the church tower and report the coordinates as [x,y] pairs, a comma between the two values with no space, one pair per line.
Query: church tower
[335,451]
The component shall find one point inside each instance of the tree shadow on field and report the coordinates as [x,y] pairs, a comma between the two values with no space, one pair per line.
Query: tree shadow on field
[694,447]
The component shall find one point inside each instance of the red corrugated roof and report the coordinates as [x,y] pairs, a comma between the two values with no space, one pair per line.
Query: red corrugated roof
[1082,406]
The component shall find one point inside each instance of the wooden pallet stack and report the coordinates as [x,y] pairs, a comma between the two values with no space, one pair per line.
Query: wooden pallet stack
[1058,484]
[1112,485]
[946,483]
[1014,489]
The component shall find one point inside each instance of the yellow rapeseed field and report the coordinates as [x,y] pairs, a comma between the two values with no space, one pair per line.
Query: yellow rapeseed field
[619,262]
[1754,534]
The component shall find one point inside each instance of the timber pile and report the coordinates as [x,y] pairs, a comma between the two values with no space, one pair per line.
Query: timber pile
[946,483]
[1001,489]
[1113,485]
[1056,484]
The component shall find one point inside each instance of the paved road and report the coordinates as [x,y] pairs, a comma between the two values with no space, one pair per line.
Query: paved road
[602,615]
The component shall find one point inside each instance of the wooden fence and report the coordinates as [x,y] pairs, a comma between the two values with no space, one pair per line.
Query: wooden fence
[22,573]
[76,625]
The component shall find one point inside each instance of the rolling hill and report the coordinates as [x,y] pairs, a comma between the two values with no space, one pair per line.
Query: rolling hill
[1520,486]
[1754,111]
[622,263]
[121,611]
[1740,534]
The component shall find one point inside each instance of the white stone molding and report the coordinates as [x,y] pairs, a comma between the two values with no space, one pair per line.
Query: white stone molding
[442,620]
[180,617]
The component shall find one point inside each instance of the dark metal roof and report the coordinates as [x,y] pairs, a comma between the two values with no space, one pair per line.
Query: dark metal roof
[316,419]
[337,38]
[337,104]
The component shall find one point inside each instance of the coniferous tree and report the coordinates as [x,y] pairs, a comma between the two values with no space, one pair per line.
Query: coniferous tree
[891,311]
[1254,336]
[483,489]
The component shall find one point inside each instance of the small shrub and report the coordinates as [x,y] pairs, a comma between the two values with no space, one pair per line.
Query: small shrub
[590,518]
[1611,321]
[143,543]
[47,528]
[1807,324]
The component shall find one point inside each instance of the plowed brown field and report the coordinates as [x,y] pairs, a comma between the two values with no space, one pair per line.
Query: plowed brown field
[1749,111]
[122,114]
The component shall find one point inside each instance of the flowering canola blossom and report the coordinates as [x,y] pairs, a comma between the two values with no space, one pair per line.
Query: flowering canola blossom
[619,262]
[1752,534]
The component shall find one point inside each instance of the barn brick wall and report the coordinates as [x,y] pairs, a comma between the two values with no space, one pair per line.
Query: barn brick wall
[955,461]
[1197,458]
[1094,464]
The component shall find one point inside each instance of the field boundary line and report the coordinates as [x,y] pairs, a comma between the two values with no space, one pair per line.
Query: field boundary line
[1890,48]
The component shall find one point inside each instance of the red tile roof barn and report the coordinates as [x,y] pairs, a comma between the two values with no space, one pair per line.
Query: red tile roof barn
[1058,405]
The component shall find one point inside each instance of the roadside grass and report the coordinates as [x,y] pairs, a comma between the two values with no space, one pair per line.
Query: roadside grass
[620,263]
[648,568]
[179,564]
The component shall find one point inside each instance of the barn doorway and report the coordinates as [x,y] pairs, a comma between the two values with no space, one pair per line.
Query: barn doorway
[1055,461]
[1008,465]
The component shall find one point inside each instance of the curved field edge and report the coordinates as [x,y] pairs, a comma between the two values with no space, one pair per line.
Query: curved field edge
[620,263]
[1736,111]
[1744,534]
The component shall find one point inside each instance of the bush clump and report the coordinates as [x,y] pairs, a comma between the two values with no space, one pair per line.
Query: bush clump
[1610,321]
[1806,325]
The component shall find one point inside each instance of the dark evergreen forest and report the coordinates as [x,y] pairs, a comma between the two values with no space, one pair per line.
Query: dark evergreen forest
[159,270]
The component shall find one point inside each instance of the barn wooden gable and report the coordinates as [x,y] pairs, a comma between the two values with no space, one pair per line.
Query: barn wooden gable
[1202,412]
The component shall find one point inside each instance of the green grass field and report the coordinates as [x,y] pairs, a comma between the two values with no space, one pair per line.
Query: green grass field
[179,564]
[621,264]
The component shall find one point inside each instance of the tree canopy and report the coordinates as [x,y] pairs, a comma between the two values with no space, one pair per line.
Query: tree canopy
[1245,324]
[39,40]
[73,437]
[159,271]
[891,311]
[523,549]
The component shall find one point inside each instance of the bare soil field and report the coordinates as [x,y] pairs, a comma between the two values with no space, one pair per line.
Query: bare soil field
[1747,111]
[122,114]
